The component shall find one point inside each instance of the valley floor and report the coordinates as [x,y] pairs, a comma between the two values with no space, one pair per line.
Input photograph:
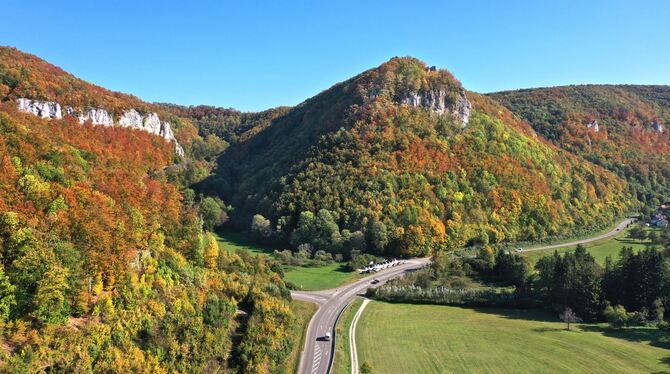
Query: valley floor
[598,249]
[403,338]
[306,278]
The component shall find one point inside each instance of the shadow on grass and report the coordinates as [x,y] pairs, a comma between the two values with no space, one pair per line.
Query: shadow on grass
[653,336]
[538,315]
[665,361]
[548,329]
[343,269]
[631,241]
[244,242]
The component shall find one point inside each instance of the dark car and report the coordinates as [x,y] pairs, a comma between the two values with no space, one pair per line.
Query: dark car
[375,281]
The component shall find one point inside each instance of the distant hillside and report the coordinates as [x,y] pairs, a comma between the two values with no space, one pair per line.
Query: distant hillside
[401,160]
[41,87]
[623,128]
[226,123]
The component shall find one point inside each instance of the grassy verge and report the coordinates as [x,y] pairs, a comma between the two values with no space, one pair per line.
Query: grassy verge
[403,338]
[320,278]
[599,249]
[342,363]
[303,312]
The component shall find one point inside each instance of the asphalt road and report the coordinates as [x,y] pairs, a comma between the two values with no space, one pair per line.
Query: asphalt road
[316,356]
[620,227]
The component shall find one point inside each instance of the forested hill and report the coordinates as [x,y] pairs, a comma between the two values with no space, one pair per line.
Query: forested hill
[623,128]
[104,264]
[401,160]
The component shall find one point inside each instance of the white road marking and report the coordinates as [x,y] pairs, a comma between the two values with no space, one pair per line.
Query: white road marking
[352,337]
[317,359]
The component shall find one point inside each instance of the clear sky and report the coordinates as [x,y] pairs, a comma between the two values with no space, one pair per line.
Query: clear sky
[254,55]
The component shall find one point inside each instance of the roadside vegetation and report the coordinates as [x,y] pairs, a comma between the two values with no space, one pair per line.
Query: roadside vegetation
[303,311]
[635,282]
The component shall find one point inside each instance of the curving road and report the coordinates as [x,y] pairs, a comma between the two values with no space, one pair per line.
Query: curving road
[316,357]
[620,227]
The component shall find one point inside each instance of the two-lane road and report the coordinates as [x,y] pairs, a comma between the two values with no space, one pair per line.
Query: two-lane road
[317,354]
[316,357]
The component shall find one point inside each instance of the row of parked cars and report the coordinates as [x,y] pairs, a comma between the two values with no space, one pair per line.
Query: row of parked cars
[373,268]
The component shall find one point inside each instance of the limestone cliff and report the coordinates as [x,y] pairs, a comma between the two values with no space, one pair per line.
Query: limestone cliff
[148,122]
[439,101]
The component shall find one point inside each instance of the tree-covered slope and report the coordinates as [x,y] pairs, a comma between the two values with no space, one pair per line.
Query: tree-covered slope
[104,265]
[627,132]
[401,160]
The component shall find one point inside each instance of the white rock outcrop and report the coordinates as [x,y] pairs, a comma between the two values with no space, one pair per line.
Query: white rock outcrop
[439,102]
[97,116]
[593,125]
[150,123]
[131,118]
[44,109]
[657,127]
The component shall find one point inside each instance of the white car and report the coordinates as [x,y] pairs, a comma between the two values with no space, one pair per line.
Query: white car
[327,337]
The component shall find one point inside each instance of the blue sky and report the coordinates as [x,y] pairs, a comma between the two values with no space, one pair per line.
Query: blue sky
[255,55]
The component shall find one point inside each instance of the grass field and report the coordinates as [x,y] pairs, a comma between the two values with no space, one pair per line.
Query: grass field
[403,338]
[342,362]
[235,241]
[308,278]
[303,312]
[599,249]
[320,278]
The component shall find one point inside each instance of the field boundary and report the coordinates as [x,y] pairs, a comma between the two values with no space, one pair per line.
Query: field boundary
[352,337]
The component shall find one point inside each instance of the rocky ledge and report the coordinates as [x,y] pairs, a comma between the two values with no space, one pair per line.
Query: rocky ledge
[438,101]
[657,127]
[148,122]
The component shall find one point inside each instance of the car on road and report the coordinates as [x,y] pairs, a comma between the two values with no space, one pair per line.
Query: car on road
[375,281]
[327,337]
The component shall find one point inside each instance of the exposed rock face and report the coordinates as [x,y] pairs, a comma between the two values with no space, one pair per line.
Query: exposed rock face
[657,127]
[150,122]
[439,102]
[593,125]
[97,116]
[44,109]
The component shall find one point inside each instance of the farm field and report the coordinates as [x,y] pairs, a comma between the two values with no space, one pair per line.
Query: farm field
[404,338]
[599,249]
